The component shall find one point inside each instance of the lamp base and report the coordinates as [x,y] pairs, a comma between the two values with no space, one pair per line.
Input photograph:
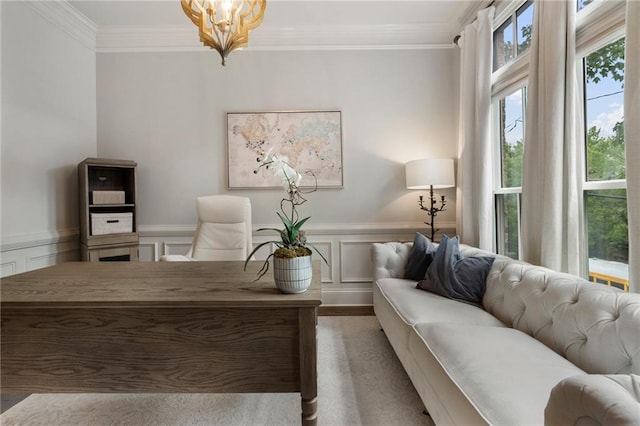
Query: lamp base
[432,210]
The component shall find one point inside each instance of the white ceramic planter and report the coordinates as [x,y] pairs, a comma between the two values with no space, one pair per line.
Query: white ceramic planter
[292,275]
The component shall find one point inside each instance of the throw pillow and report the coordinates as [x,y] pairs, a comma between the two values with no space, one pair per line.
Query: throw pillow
[456,277]
[420,258]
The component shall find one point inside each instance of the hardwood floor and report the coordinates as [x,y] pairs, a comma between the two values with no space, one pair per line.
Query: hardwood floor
[345,311]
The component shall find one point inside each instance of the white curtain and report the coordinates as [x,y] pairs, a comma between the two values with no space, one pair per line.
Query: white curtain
[632,138]
[474,200]
[550,187]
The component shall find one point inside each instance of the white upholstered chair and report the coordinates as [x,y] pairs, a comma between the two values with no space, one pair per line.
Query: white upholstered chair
[223,231]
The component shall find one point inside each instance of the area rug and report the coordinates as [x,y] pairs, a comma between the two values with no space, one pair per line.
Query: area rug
[360,382]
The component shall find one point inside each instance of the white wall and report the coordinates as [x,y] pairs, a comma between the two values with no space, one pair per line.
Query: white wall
[48,126]
[167,112]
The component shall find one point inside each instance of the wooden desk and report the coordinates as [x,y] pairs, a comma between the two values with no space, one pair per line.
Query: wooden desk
[158,327]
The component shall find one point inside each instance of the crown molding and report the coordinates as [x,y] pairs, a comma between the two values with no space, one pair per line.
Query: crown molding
[64,16]
[354,37]
[166,38]
[471,12]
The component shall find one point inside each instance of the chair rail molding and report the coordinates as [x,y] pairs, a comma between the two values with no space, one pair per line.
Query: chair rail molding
[22,253]
[346,279]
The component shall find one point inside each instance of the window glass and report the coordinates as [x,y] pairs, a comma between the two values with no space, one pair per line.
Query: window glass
[607,235]
[513,37]
[604,103]
[508,220]
[503,50]
[524,22]
[585,3]
[511,113]
[606,208]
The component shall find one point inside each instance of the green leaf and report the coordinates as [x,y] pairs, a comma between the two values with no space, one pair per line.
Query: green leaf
[287,223]
[286,238]
[318,251]
[258,247]
[270,229]
[300,223]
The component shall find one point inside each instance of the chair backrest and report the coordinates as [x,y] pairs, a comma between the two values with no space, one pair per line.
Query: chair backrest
[224,228]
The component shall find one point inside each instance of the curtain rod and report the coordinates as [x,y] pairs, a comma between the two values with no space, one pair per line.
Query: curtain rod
[457,37]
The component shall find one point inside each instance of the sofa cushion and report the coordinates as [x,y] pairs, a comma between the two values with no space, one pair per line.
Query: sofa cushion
[415,306]
[506,374]
[455,277]
[420,257]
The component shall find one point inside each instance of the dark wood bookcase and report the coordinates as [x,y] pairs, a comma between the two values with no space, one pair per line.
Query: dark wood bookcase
[101,174]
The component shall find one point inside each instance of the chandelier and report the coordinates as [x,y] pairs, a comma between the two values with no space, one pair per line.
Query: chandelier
[224,25]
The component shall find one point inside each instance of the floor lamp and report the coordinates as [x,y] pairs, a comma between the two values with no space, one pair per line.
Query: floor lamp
[430,173]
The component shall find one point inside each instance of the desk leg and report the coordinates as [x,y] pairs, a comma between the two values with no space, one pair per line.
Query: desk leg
[308,321]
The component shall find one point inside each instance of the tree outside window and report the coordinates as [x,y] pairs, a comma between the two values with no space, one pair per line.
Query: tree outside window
[605,197]
[511,113]
[513,37]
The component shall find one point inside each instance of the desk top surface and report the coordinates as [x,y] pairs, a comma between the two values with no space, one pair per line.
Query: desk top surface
[149,284]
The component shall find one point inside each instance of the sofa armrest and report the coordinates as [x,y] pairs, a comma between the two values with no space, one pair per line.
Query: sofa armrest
[389,259]
[595,399]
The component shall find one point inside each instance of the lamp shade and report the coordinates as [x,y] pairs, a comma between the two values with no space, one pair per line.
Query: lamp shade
[421,174]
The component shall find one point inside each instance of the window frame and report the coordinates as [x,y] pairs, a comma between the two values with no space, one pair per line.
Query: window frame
[498,189]
[598,25]
[594,34]
[507,13]
[507,79]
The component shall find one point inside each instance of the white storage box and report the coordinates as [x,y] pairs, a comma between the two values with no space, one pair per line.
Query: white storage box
[111,223]
[108,197]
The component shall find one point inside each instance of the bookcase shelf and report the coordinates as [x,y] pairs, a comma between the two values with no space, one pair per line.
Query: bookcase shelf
[96,241]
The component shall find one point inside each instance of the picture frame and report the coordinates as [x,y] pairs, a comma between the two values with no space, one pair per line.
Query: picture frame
[310,140]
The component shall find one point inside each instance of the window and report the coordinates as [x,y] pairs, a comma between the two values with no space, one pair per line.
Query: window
[605,203]
[604,90]
[513,37]
[511,118]
[600,43]
[509,113]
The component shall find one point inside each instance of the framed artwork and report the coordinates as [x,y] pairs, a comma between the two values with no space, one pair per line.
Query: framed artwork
[311,141]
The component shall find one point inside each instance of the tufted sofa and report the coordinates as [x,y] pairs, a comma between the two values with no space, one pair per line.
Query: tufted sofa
[548,348]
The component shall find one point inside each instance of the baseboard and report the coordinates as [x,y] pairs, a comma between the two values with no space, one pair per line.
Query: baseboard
[345,311]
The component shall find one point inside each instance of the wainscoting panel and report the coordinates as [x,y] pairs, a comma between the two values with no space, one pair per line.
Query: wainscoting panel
[149,251]
[355,261]
[30,252]
[37,262]
[9,268]
[173,248]
[325,247]
[346,279]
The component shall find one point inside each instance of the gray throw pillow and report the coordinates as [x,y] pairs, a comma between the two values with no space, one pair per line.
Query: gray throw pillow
[456,277]
[420,258]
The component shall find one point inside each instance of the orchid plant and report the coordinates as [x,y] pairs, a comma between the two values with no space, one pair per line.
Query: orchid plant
[293,242]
